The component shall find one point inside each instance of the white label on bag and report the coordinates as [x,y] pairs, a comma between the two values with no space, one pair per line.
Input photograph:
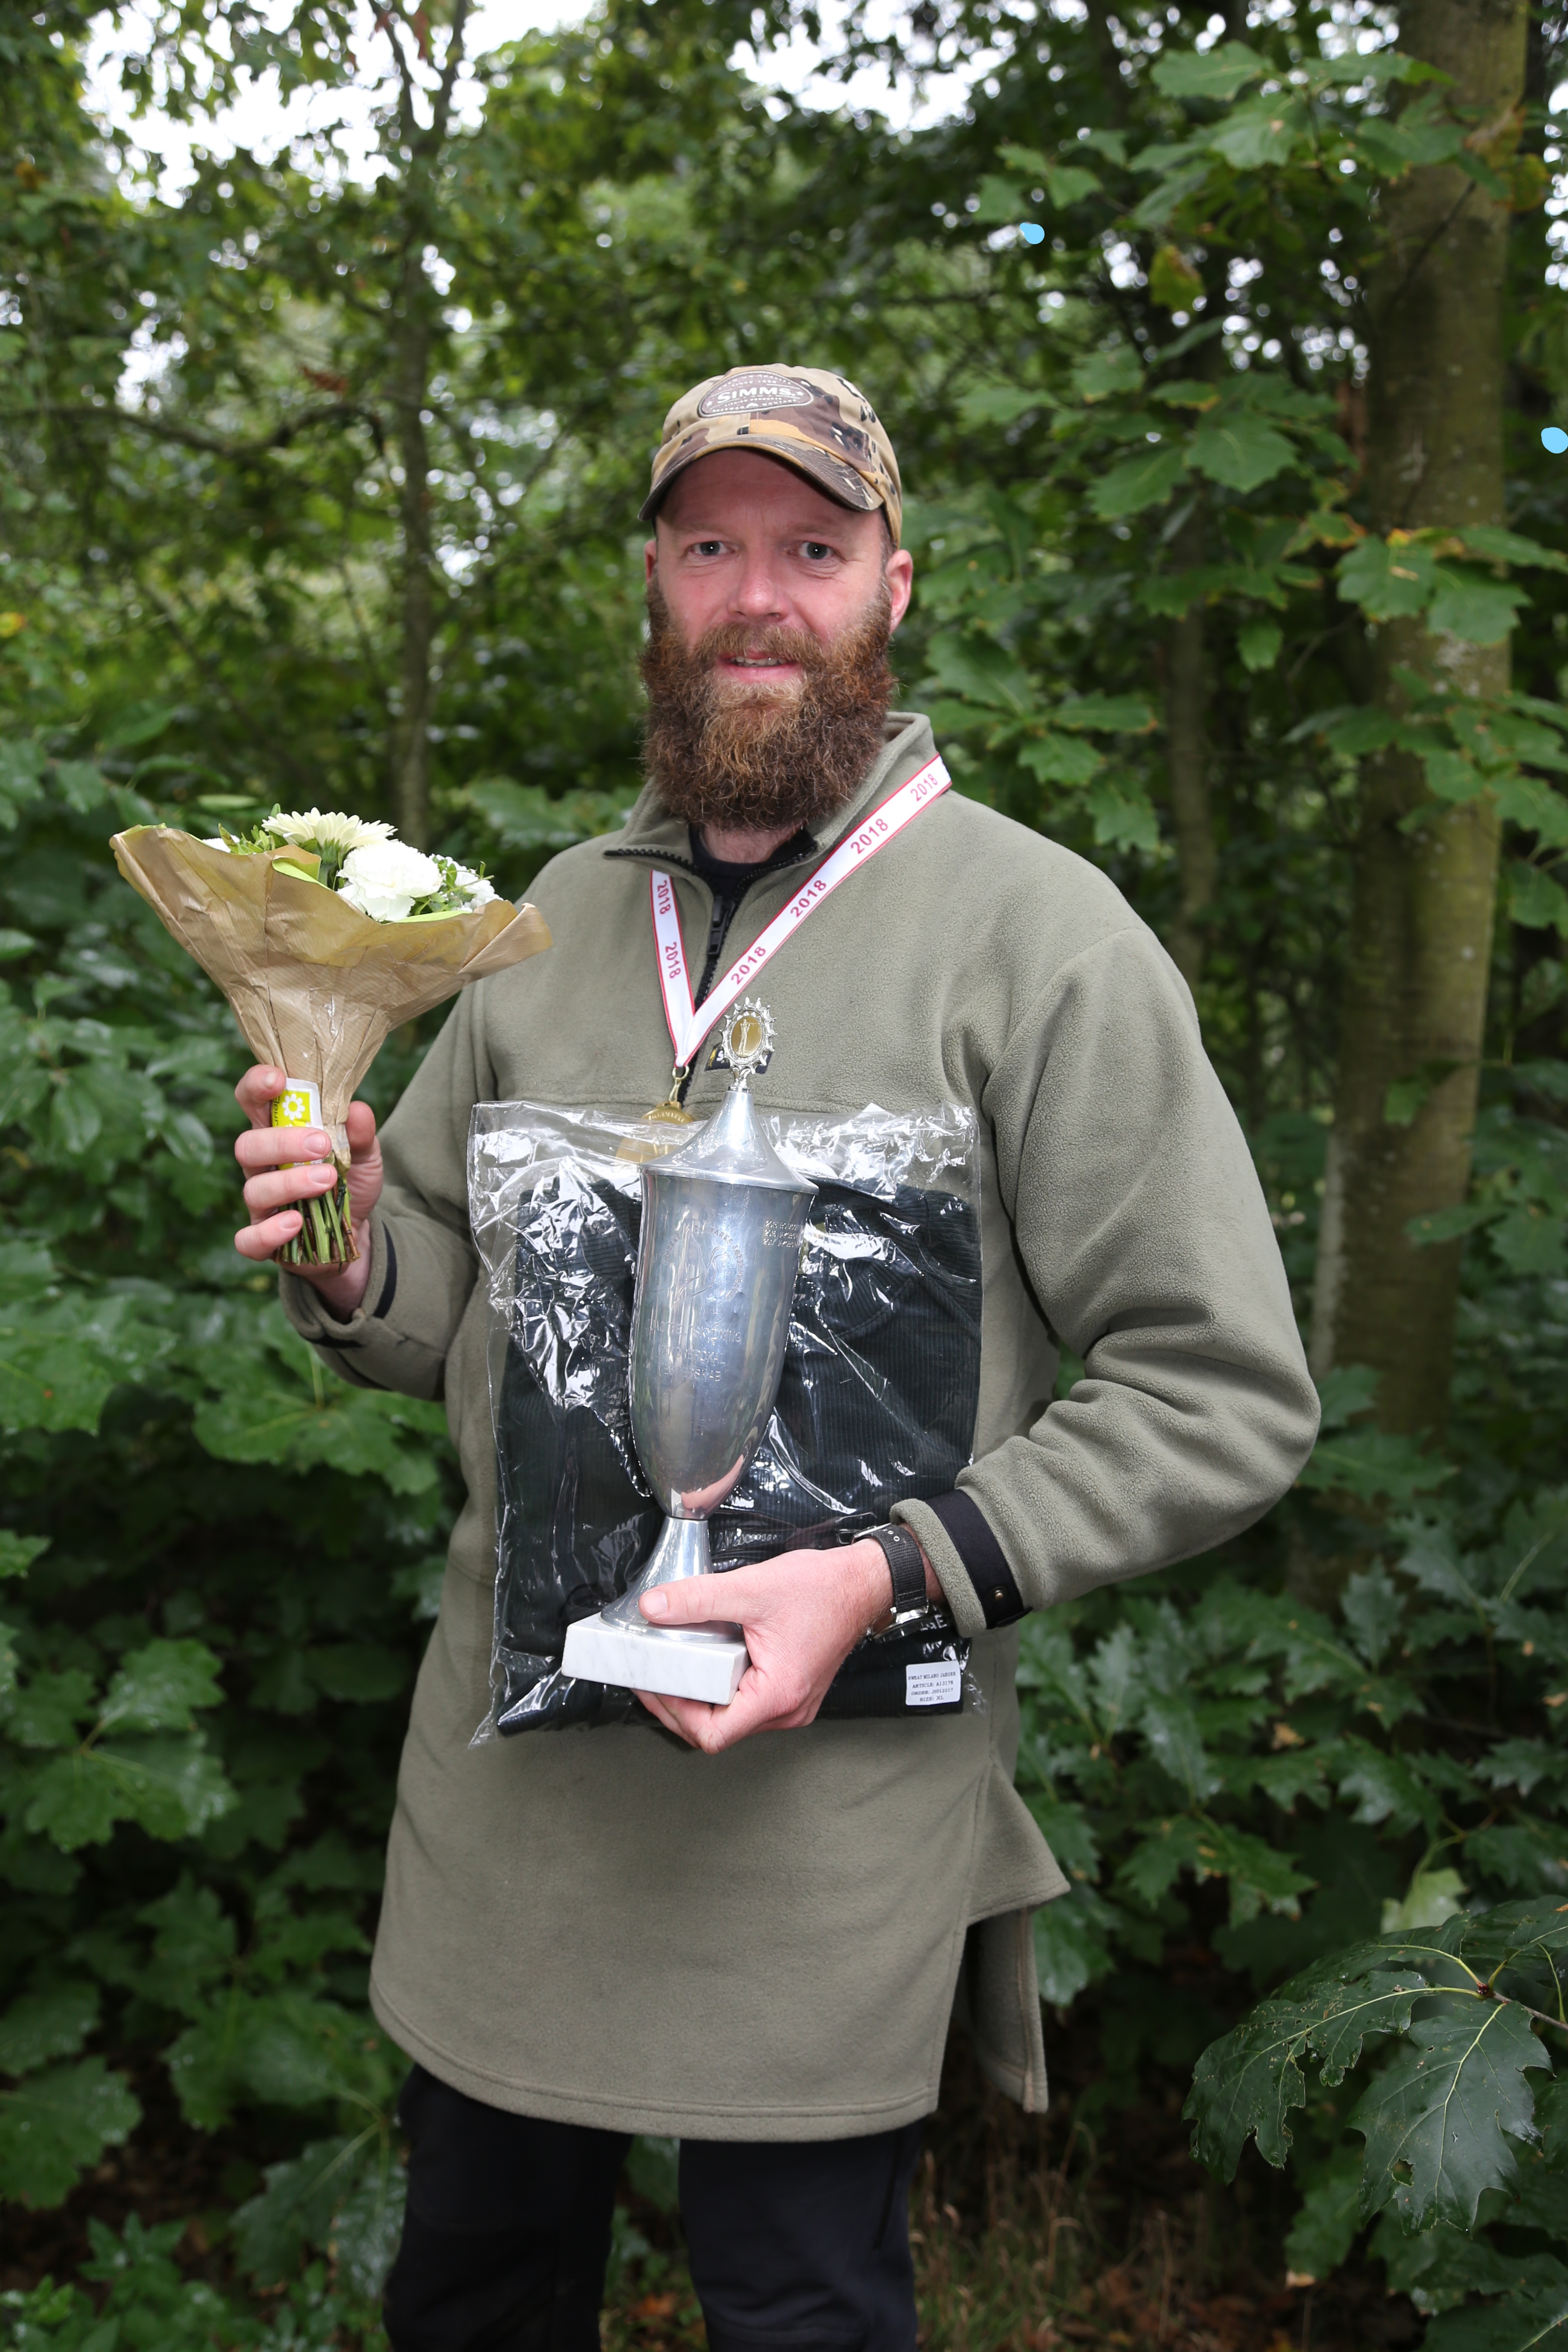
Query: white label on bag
[933,1686]
[689,1027]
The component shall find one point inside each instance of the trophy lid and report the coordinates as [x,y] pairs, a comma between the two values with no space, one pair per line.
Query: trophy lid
[731,1148]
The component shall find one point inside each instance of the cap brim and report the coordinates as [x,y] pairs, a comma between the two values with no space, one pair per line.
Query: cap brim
[826,473]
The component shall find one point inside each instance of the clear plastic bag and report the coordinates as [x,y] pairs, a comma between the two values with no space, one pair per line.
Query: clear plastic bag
[877,1404]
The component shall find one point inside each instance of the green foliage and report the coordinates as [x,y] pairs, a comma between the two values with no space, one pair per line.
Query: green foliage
[187,1624]
[145,2300]
[1457,2115]
[1518,1201]
[55,2123]
[342,2191]
[1182,1740]
[1229,1739]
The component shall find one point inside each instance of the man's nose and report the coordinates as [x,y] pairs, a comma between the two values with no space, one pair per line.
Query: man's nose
[759,595]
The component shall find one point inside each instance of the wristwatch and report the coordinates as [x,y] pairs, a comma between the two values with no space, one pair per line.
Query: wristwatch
[907,1567]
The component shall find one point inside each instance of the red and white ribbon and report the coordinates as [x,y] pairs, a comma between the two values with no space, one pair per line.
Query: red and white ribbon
[689,1025]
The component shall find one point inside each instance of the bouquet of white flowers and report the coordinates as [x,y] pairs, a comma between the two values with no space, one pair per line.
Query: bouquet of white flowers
[326,932]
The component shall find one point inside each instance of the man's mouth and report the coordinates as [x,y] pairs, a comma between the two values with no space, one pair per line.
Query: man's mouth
[780,659]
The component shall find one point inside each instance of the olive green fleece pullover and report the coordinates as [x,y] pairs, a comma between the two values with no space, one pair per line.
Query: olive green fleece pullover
[604,1927]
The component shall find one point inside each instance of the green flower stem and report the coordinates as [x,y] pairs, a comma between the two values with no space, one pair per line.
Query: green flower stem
[326,1235]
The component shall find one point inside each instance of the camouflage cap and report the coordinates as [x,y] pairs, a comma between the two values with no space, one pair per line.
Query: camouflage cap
[820,424]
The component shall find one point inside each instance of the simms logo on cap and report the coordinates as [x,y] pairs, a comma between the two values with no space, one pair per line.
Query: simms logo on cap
[749,396]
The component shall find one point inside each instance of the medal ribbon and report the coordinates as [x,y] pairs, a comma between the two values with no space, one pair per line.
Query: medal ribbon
[688,1024]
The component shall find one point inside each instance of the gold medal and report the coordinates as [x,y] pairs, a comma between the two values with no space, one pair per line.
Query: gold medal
[668,1113]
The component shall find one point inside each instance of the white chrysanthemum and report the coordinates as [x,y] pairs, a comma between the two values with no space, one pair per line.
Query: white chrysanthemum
[327,829]
[386,878]
[474,887]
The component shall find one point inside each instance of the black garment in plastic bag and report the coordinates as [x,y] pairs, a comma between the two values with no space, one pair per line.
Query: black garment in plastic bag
[875,1405]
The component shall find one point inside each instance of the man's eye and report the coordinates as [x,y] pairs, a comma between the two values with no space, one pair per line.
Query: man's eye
[816,550]
[709,547]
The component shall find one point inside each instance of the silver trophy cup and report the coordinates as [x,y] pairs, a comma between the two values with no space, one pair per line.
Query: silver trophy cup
[721,1224]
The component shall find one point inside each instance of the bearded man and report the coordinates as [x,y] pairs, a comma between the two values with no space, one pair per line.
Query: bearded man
[672,1924]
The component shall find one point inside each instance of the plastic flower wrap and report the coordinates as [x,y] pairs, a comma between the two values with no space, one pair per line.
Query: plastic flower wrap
[325,933]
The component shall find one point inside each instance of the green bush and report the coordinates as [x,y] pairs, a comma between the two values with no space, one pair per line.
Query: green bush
[148,2305]
[1362,1800]
[218,1566]
[1461,2110]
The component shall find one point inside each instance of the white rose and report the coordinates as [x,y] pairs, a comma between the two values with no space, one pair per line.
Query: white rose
[474,888]
[386,878]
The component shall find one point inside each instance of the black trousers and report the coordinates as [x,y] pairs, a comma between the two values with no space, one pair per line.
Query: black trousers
[792,2244]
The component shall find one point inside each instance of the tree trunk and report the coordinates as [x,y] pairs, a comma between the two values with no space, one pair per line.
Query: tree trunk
[1186,755]
[413,336]
[1421,918]
[1109,58]
[411,751]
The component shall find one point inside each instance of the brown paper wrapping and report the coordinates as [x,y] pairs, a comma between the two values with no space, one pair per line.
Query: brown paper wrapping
[316,986]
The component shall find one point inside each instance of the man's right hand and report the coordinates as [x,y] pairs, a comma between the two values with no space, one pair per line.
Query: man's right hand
[270,1186]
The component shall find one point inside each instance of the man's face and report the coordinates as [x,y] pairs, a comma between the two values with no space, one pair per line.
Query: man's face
[770,608]
[744,540]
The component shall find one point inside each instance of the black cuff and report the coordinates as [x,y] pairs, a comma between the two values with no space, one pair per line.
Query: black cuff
[967,1529]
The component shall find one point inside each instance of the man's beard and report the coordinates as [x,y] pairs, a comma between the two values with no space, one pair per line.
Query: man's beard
[751,758]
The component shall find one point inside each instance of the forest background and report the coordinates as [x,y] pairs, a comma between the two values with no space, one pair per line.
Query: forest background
[1240,571]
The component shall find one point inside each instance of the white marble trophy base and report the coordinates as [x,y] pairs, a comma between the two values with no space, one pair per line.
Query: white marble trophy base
[700,1662]
[620,1647]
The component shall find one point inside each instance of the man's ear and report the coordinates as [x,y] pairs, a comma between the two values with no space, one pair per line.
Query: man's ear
[899,571]
[649,560]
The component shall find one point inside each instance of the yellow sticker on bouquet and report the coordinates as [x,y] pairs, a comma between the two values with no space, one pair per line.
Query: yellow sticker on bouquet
[299,1105]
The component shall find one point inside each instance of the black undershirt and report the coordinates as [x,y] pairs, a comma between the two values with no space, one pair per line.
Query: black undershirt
[730,884]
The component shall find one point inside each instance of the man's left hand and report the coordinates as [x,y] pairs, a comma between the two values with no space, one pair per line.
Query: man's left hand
[801,1614]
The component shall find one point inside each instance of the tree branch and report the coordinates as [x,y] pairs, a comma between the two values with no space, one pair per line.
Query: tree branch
[408,127]
[454,58]
[186,436]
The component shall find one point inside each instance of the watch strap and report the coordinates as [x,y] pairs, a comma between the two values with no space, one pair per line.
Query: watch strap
[906,1566]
